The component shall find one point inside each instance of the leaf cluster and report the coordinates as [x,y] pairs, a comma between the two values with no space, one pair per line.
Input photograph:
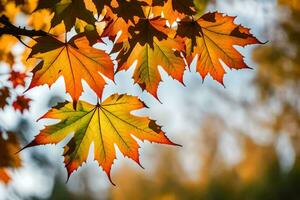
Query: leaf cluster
[152,33]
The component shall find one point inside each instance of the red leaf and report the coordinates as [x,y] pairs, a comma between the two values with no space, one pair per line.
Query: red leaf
[21,103]
[17,78]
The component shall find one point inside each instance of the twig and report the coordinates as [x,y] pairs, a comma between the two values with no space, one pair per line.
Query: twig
[17,32]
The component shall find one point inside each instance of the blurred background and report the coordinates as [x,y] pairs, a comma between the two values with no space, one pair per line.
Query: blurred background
[241,142]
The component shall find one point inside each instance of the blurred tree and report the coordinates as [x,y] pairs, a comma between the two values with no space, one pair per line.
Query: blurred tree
[278,73]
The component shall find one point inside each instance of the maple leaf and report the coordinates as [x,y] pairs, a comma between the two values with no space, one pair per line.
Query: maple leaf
[149,28]
[114,26]
[151,46]
[67,11]
[17,78]
[213,37]
[173,9]
[143,32]
[4,95]
[21,103]
[146,73]
[104,125]
[8,156]
[127,10]
[186,7]
[75,61]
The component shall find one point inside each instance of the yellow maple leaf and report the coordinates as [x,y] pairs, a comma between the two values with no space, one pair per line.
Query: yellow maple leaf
[104,125]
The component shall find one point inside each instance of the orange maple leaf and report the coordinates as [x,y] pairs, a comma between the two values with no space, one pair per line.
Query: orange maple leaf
[146,73]
[174,9]
[75,60]
[114,25]
[213,37]
[152,46]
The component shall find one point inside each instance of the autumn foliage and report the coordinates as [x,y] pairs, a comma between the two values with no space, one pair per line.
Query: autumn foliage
[9,159]
[148,33]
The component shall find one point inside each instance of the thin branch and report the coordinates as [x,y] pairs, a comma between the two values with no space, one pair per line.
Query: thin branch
[10,29]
